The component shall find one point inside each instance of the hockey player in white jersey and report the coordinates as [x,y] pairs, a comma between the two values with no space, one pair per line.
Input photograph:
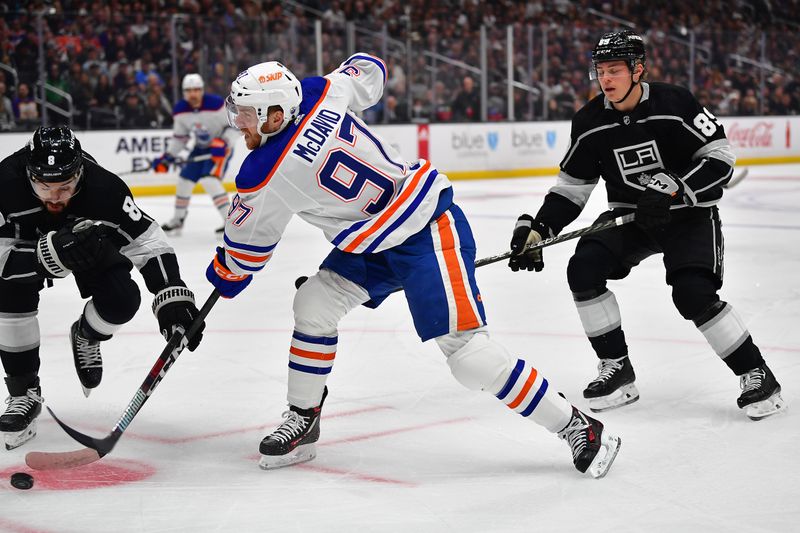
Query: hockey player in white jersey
[199,116]
[393,224]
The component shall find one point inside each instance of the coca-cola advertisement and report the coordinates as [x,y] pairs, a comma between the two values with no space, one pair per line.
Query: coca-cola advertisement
[757,134]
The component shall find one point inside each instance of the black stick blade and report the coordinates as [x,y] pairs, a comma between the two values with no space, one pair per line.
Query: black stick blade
[101,446]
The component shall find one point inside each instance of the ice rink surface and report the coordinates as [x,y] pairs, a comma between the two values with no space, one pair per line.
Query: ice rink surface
[404,447]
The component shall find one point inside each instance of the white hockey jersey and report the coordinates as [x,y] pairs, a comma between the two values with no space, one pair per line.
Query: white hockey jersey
[332,171]
[204,124]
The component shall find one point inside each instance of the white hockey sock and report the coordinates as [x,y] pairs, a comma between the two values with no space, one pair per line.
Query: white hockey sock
[725,332]
[529,394]
[310,363]
[599,315]
[215,189]
[482,364]
[183,195]
[98,323]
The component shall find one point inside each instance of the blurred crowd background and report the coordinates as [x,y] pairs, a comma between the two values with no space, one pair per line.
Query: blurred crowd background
[118,64]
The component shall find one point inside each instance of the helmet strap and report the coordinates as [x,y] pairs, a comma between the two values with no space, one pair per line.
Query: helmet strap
[633,84]
[266,136]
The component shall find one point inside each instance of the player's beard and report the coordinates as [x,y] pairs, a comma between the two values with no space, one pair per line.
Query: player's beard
[55,208]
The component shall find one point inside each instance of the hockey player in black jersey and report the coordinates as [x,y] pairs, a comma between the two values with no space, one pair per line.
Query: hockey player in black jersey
[664,157]
[60,214]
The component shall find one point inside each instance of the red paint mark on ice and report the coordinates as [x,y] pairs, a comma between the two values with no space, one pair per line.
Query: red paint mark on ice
[13,527]
[232,431]
[356,475]
[106,473]
[395,431]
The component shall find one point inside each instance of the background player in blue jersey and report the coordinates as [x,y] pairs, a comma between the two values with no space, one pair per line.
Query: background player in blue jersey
[394,226]
[199,118]
[665,157]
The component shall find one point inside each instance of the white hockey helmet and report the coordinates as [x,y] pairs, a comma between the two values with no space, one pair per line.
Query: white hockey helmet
[192,81]
[258,88]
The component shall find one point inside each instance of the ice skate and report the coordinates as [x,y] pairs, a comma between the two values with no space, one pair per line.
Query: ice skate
[761,393]
[613,387]
[174,226]
[294,441]
[88,360]
[18,423]
[593,449]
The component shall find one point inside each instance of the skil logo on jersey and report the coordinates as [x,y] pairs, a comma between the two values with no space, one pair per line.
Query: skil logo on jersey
[636,159]
[270,77]
[314,135]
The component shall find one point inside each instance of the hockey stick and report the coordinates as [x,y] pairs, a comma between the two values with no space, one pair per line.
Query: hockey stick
[97,448]
[197,159]
[588,230]
[736,179]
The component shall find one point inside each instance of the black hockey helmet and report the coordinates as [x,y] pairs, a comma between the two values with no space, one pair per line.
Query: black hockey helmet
[624,45]
[54,154]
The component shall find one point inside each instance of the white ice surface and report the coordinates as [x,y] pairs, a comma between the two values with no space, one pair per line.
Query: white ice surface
[404,447]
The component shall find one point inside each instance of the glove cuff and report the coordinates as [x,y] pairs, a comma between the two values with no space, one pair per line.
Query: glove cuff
[48,258]
[169,295]
[524,221]
[666,184]
[222,270]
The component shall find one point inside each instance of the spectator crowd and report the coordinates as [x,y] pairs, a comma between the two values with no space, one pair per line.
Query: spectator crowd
[115,64]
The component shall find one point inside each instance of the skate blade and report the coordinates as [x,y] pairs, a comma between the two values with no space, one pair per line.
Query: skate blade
[301,454]
[761,410]
[625,395]
[15,439]
[609,448]
[86,392]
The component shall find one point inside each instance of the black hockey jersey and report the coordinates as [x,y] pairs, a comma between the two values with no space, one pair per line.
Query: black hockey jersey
[667,130]
[102,196]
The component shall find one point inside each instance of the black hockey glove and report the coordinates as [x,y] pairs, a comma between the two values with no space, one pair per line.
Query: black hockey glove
[527,232]
[174,308]
[78,246]
[652,210]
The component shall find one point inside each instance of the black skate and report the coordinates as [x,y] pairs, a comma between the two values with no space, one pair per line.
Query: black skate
[613,387]
[86,352]
[294,440]
[174,226]
[761,393]
[593,449]
[18,423]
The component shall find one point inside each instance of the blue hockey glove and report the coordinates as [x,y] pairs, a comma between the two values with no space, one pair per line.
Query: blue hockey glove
[161,164]
[226,282]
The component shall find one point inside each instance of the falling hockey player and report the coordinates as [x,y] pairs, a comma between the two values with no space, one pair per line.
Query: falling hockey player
[199,118]
[60,214]
[393,224]
[665,157]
